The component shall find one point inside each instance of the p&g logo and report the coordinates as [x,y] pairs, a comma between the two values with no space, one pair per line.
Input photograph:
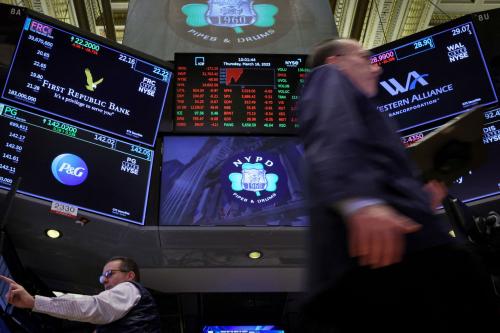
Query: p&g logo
[69,169]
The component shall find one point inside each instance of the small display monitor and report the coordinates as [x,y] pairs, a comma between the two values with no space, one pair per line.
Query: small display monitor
[62,162]
[4,287]
[484,181]
[243,329]
[433,75]
[237,93]
[232,181]
[57,70]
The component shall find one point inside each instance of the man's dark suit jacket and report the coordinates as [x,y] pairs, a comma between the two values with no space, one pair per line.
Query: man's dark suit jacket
[353,151]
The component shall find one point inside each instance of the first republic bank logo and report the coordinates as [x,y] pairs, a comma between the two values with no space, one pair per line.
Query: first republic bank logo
[227,23]
[254,179]
[393,87]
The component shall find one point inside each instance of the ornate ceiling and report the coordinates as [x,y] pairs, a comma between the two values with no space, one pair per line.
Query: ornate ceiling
[374,22]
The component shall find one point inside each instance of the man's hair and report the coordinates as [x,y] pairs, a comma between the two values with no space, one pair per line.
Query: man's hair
[127,265]
[324,49]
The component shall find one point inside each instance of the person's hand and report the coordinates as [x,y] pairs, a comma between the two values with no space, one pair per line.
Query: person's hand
[17,295]
[437,191]
[377,235]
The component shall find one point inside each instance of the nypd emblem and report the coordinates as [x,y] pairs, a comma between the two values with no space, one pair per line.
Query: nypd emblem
[230,13]
[230,23]
[254,179]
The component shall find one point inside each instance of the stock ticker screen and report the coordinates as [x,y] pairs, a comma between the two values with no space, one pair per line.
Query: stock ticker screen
[237,93]
[62,162]
[433,75]
[61,73]
[430,77]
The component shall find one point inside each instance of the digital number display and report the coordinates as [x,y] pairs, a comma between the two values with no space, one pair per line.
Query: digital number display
[85,81]
[237,93]
[66,163]
[433,75]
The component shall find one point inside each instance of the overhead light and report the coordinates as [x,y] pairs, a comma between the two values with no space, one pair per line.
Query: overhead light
[53,233]
[254,254]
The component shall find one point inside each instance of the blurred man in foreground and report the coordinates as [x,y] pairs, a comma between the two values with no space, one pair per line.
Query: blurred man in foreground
[379,257]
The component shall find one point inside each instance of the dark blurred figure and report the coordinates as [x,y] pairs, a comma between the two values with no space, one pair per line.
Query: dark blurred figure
[125,306]
[380,260]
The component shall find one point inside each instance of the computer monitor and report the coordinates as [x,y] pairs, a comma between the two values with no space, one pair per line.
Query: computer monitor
[223,93]
[433,75]
[232,181]
[60,70]
[62,162]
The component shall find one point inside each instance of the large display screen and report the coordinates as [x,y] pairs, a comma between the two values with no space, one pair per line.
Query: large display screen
[234,181]
[83,80]
[237,93]
[62,162]
[433,75]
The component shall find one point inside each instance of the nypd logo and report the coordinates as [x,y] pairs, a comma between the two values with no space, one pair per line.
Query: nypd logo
[69,169]
[230,23]
[254,179]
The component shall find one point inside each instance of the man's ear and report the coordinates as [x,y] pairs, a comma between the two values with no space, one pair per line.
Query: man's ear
[332,59]
[131,276]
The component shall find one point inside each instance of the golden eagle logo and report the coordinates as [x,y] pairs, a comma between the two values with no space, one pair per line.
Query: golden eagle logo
[91,85]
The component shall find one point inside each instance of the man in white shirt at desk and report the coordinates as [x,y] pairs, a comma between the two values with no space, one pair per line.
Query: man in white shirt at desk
[124,306]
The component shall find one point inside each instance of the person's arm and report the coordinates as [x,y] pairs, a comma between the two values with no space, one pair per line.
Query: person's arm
[335,138]
[106,307]
[376,235]
[437,191]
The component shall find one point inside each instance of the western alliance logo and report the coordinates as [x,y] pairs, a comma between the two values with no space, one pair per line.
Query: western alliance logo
[230,23]
[69,169]
[254,179]
[394,88]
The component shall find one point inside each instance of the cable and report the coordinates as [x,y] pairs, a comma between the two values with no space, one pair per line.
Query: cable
[439,9]
[99,4]
[365,24]
[380,20]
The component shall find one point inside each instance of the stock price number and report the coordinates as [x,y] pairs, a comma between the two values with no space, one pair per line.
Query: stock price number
[17,136]
[41,65]
[43,54]
[60,127]
[17,148]
[426,42]
[21,127]
[127,59]
[11,157]
[64,209]
[7,168]
[19,95]
[462,29]
[142,151]
[37,76]
[161,71]
[34,87]
[105,139]
[6,181]
[85,43]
